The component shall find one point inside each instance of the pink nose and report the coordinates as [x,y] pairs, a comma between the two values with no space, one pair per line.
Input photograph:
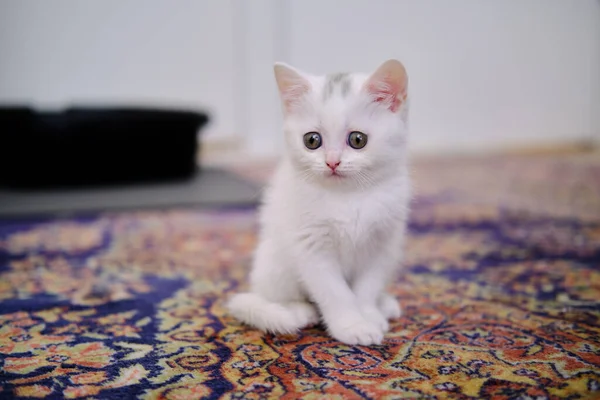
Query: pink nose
[332,165]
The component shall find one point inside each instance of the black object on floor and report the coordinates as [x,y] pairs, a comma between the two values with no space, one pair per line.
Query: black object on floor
[210,187]
[102,145]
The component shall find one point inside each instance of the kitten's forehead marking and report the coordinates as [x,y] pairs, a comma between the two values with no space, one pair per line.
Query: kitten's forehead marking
[340,82]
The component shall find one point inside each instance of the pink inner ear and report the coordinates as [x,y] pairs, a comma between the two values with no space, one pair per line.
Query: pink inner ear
[387,92]
[293,93]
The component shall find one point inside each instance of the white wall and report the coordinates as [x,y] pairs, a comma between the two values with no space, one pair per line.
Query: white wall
[262,41]
[154,52]
[483,74]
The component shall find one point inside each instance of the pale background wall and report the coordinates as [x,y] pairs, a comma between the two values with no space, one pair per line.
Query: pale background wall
[173,53]
[484,74]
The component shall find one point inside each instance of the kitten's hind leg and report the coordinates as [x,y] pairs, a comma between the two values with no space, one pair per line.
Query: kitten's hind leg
[275,317]
[389,306]
[275,302]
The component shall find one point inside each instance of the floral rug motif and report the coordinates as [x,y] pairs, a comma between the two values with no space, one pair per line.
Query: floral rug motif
[500,292]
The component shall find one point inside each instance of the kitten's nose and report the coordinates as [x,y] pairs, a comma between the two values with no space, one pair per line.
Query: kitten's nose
[332,165]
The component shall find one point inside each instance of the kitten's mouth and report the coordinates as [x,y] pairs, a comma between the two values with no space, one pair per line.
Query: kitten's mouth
[335,174]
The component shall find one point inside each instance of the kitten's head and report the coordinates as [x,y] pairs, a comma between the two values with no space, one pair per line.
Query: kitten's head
[345,128]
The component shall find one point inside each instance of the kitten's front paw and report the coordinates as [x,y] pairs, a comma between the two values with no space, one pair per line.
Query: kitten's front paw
[389,306]
[372,314]
[356,330]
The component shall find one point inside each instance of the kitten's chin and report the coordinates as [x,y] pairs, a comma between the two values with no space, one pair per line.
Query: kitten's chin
[334,175]
[336,179]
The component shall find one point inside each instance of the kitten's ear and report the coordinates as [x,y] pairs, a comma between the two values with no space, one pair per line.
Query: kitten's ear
[388,85]
[292,85]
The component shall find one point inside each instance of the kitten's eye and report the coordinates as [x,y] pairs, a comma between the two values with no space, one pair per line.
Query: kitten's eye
[357,140]
[312,140]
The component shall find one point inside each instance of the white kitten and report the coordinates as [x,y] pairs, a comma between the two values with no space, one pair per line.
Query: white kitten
[334,216]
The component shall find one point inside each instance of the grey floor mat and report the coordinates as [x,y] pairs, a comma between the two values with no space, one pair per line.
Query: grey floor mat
[210,187]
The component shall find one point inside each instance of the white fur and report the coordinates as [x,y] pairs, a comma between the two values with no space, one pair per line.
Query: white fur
[329,245]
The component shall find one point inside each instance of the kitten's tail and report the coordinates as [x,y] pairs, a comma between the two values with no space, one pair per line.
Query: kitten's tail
[253,309]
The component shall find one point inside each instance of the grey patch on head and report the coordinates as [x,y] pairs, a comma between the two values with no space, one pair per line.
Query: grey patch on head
[341,83]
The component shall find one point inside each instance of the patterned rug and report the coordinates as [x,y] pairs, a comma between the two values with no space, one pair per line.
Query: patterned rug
[501,299]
